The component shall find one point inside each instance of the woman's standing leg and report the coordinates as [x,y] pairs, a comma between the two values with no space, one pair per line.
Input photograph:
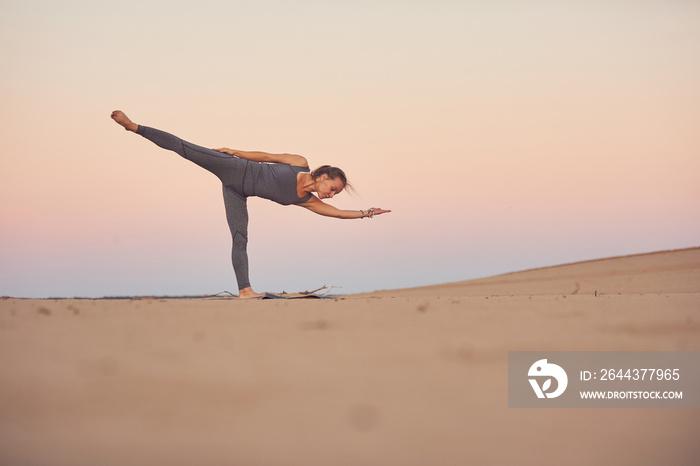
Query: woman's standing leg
[237,217]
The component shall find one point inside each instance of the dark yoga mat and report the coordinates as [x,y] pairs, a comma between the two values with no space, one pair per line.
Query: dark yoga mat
[276,296]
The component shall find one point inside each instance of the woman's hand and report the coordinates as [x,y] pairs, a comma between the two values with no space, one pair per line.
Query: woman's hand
[379,211]
[226,150]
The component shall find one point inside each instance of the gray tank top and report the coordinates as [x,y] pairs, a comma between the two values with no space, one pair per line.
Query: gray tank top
[274,181]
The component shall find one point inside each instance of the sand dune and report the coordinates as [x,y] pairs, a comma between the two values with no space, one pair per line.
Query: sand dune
[399,377]
[659,272]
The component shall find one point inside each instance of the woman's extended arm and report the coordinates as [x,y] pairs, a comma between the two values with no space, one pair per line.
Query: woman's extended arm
[317,206]
[289,159]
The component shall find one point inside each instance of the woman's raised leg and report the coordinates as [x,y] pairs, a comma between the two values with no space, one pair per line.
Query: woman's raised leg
[228,168]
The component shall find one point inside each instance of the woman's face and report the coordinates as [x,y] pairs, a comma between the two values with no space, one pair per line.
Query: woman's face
[327,187]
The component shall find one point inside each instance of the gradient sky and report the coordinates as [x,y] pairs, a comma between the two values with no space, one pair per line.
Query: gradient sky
[504,135]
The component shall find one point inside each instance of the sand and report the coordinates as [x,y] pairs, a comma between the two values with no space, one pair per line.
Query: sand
[398,377]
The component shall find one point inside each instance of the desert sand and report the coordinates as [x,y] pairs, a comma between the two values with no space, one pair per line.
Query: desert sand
[397,377]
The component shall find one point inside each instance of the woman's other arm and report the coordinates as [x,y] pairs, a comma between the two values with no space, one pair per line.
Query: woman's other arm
[317,206]
[255,156]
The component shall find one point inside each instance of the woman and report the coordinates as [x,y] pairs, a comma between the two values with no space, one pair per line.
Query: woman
[282,178]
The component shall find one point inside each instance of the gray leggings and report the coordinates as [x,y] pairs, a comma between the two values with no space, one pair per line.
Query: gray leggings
[231,171]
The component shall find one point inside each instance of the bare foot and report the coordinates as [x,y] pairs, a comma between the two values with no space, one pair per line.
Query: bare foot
[123,120]
[247,293]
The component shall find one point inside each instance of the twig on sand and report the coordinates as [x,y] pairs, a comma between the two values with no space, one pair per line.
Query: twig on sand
[314,291]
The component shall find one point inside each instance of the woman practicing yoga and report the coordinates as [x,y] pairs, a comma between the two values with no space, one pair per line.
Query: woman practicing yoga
[282,178]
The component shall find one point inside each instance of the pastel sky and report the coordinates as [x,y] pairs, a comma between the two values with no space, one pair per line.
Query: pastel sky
[504,135]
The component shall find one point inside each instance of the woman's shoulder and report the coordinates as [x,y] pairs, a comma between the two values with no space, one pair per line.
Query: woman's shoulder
[294,160]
